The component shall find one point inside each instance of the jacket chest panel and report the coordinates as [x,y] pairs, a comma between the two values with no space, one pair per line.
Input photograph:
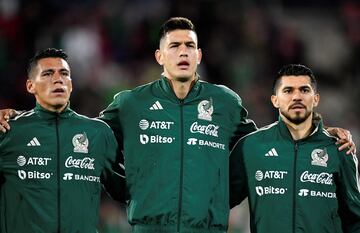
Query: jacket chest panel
[44,156]
[166,124]
[278,169]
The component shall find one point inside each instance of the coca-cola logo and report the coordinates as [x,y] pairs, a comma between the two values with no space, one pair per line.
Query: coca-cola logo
[321,178]
[209,129]
[84,163]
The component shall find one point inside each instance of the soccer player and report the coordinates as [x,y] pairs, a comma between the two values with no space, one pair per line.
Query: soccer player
[294,176]
[53,160]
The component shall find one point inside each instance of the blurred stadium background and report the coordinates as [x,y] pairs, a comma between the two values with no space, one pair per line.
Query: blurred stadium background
[111,44]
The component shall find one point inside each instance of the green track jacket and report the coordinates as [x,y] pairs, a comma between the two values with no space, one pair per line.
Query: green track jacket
[176,154]
[303,186]
[51,166]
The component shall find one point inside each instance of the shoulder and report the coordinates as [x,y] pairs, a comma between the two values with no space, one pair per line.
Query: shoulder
[326,135]
[93,122]
[222,91]
[263,133]
[127,95]
[27,115]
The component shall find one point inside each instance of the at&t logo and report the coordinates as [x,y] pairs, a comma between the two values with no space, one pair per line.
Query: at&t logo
[38,161]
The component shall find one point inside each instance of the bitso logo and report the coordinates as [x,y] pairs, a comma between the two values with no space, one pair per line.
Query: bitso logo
[22,174]
[304,192]
[155,139]
[34,175]
[269,190]
[144,139]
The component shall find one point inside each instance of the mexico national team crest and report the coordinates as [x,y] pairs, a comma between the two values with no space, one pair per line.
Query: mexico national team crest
[319,157]
[205,109]
[81,143]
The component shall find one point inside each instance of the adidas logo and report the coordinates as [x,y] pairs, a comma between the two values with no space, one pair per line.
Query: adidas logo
[272,152]
[34,142]
[156,106]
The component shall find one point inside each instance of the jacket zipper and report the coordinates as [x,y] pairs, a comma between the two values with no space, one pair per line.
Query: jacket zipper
[58,172]
[294,186]
[181,164]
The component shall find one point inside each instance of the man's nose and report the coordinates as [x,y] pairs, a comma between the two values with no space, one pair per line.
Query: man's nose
[297,95]
[183,50]
[57,77]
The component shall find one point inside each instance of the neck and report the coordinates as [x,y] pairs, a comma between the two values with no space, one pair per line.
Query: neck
[51,108]
[182,88]
[299,131]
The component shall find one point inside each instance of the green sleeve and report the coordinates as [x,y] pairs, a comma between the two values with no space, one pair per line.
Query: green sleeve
[113,176]
[112,116]
[244,125]
[349,193]
[2,136]
[237,176]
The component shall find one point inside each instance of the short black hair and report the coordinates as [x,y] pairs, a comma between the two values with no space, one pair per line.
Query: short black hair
[175,23]
[49,52]
[294,70]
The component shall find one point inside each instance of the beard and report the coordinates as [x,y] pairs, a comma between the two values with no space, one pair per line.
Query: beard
[298,118]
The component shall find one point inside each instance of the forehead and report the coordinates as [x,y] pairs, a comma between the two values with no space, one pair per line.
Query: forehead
[180,35]
[55,63]
[295,81]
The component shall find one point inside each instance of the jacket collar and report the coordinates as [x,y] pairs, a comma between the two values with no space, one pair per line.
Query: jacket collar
[284,131]
[168,91]
[44,113]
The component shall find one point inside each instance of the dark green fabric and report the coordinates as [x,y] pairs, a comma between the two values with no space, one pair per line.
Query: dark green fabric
[51,176]
[295,186]
[176,156]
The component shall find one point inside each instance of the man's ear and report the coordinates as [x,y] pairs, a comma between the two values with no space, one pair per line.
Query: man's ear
[199,56]
[30,87]
[274,101]
[159,57]
[316,100]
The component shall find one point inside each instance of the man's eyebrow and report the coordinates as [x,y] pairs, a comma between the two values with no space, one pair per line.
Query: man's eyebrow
[48,70]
